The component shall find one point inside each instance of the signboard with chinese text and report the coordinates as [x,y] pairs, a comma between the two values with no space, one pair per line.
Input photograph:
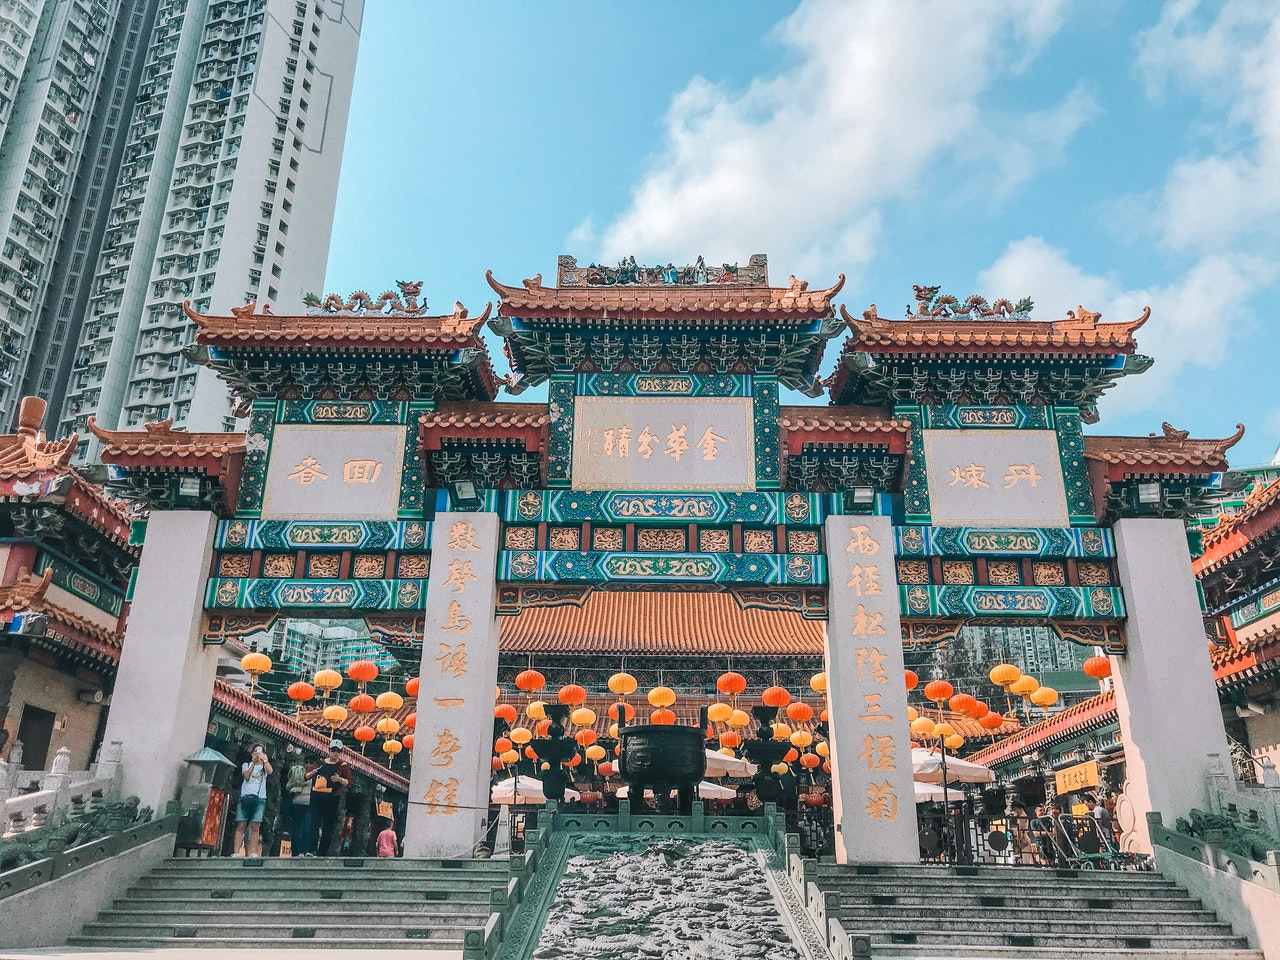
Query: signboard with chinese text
[334,472]
[1078,777]
[663,443]
[998,478]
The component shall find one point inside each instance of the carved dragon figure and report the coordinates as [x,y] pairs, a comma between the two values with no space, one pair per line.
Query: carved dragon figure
[387,302]
[930,304]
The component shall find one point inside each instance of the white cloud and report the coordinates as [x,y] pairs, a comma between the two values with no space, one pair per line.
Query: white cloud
[881,90]
[1231,193]
[1193,319]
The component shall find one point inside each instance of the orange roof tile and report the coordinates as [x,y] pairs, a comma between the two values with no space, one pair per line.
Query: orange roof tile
[480,416]
[162,440]
[1173,448]
[1085,715]
[659,622]
[1082,333]
[28,451]
[340,329]
[1228,528]
[840,419]
[658,302]
[28,593]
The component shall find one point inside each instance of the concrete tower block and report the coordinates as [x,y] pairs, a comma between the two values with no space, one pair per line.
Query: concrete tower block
[1165,694]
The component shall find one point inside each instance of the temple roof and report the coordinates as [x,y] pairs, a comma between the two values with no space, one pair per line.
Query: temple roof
[649,623]
[842,427]
[1245,660]
[1234,531]
[161,442]
[68,628]
[29,451]
[482,419]
[1155,453]
[1077,719]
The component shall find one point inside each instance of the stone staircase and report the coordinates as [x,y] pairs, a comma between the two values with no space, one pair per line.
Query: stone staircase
[1013,912]
[326,903]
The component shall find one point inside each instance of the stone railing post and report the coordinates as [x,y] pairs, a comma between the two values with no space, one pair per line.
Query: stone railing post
[108,766]
[8,774]
[56,781]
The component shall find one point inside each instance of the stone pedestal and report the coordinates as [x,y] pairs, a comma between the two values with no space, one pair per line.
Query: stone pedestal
[1166,698]
[160,705]
[872,790]
[449,786]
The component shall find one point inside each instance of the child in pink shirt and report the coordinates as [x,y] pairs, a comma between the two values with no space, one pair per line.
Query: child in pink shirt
[388,841]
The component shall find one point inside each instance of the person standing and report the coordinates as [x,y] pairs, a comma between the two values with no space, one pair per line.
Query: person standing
[253,802]
[299,789]
[388,842]
[329,781]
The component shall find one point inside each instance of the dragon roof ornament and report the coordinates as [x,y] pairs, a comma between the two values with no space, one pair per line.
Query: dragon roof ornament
[628,272]
[359,303]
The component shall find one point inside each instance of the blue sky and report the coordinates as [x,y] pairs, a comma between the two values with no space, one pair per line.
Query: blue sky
[1104,154]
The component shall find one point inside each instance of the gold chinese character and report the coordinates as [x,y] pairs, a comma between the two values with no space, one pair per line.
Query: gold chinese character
[875,709]
[882,802]
[873,659]
[878,753]
[865,624]
[645,442]
[453,660]
[307,471]
[970,476]
[1021,471]
[361,471]
[454,620]
[446,746]
[444,702]
[608,442]
[459,575]
[442,797]
[865,580]
[677,445]
[861,542]
[462,536]
[624,441]
[708,444]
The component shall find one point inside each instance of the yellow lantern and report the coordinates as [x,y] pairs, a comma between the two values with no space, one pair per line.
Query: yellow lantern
[912,714]
[780,768]
[922,727]
[954,742]
[613,731]
[823,749]
[509,757]
[327,681]
[595,752]
[388,726]
[333,715]
[1004,675]
[1024,686]
[622,684]
[520,735]
[583,717]
[255,664]
[536,710]
[739,718]
[818,683]
[392,747]
[661,697]
[389,701]
[801,739]
[781,731]
[943,730]
[719,712]
[1044,698]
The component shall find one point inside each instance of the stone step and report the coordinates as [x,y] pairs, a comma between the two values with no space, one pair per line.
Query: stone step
[988,952]
[1023,876]
[288,900]
[985,870]
[1123,912]
[1085,926]
[231,928]
[1065,943]
[326,882]
[452,913]
[382,868]
[1005,901]
[242,943]
[942,890]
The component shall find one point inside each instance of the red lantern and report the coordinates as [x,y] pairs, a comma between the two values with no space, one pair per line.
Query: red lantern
[962,703]
[495,764]
[589,797]
[301,691]
[407,740]
[1097,667]
[574,760]
[586,738]
[411,721]
[979,710]
[823,715]
[912,678]
[731,683]
[813,799]
[572,694]
[799,711]
[809,761]
[663,717]
[730,739]
[530,681]
[775,697]
[937,691]
[363,703]
[362,671]
[502,745]
[627,709]
[531,753]
[411,686]
[992,721]
[505,711]
[542,728]
[826,766]
[606,768]
[364,735]
[792,756]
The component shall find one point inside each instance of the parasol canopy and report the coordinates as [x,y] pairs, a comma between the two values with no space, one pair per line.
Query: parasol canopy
[926,767]
[530,791]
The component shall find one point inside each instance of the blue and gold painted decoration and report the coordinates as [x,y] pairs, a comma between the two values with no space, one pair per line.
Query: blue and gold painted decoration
[764,390]
[1075,471]
[1093,543]
[976,418]
[607,506]
[563,566]
[1068,602]
[663,385]
[915,491]
[257,453]
[560,397]
[323,534]
[226,593]
[342,411]
[413,477]
[75,579]
[1256,609]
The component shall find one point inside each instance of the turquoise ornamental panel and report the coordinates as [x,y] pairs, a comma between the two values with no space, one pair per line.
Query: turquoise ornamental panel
[915,491]
[322,534]
[1075,471]
[1073,603]
[552,566]
[342,411]
[257,444]
[663,385]
[768,437]
[72,577]
[560,432]
[972,417]
[1263,606]
[1089,542]
[225,593]
[605,506]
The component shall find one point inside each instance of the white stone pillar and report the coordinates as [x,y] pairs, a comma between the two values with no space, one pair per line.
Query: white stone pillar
[871,786]
[160,704]
[449,787]
[1166,697]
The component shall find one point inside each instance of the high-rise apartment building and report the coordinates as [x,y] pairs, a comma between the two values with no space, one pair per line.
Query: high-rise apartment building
[219,188]
[305,646]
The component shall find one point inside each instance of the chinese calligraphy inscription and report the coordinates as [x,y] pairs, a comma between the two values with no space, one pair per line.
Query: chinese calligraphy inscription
[995,478]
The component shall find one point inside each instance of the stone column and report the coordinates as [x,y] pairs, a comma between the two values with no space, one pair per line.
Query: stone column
[160,704]
[1165,693]
[871,786]
[449,786]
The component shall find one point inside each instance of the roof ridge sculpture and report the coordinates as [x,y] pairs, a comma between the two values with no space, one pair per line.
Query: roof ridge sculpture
[29,450]
[352,321]
[163,438]
[1169,447]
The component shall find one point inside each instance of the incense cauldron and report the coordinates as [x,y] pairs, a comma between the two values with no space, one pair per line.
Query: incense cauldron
[661,758]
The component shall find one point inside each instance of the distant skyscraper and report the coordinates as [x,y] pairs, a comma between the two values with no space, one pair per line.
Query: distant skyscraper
[220,185]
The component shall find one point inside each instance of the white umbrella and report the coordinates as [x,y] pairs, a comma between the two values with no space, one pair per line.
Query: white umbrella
[706,791]
[530,791]
[719,765]
[931,793]
[926,766]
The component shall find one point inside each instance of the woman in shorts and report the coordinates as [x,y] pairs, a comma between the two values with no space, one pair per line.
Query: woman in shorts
[253,803]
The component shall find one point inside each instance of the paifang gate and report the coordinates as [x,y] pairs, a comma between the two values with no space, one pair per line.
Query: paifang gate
[663,505]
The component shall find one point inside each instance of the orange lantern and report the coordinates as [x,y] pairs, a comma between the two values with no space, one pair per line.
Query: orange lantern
[300,692]
[992,721]
[1097,667]
[791,756]
[502,745]
[586,738]
[799,711]
[362,671]
[363,703]
[495,764]
[531,753]
[823,716]
[333,715]
[1004,675]
[389,701]
[542,728]
[810,760]
[411,686]
[979,710]
[255,664]
[574,760]
[962,703]
[626,709]
[663,717]
[606,769]
[776,697]
[505,711]
[826,766]
[938,691]
[327,681]
[661,697]
[730,739]
[912,678]
[731,683]
[572,694]
[411,720]
[407,740]
[623,684]
[530,681]
[364,735]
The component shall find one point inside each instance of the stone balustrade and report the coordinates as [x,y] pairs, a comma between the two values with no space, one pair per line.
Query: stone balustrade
[1253,807]
[31,797]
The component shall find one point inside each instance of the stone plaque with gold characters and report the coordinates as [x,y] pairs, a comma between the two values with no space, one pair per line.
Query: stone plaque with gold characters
[872,789]
[663,443]
[338,472]
[996,478]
